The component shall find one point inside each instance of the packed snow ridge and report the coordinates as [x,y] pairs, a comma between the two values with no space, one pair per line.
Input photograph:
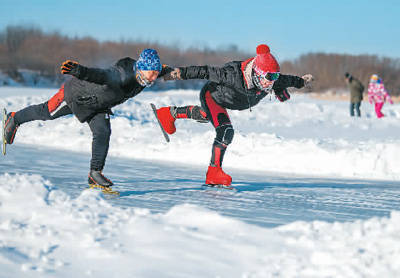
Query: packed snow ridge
[43,232]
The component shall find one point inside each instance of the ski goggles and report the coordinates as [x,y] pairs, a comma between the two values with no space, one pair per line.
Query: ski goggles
[263,86]
[270,76]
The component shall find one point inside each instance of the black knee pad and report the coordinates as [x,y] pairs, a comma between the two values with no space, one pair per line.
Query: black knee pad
[224,134]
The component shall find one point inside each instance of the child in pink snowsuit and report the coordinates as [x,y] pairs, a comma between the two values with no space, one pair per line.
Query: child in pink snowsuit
[378,94]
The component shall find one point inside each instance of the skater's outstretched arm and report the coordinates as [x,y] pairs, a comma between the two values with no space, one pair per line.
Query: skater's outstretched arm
[110,76]
[226,75]
[286,81]
[167,71]
[223,75]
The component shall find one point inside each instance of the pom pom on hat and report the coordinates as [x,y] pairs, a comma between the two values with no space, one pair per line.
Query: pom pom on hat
[262,49]
[264,61]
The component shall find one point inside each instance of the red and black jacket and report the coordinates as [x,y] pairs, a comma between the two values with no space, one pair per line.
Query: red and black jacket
[95,90]
[229,86]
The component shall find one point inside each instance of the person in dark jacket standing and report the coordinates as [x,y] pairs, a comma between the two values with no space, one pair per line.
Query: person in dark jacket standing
[237,85]
[356,93]
[89,95]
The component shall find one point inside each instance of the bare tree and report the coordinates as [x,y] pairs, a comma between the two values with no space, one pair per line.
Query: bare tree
[26,47]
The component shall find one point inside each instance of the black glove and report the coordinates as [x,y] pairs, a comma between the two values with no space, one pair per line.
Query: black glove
[282,95]
[70,67]
[173,74]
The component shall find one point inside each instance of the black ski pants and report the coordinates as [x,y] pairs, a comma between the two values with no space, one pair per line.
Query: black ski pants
[55,108]
[219,118]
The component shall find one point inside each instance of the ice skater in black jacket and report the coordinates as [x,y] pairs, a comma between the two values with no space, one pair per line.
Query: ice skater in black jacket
[89,95]
[237,85]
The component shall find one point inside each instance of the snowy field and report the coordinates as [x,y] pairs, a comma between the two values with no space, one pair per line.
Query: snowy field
[318,194]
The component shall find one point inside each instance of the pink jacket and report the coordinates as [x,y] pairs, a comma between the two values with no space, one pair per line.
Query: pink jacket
[377,93]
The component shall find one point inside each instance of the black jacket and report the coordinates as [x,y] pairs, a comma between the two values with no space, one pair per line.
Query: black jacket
[94,90]
[230,89]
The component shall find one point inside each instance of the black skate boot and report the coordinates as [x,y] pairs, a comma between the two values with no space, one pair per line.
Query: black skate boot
[97,180]
[10,128]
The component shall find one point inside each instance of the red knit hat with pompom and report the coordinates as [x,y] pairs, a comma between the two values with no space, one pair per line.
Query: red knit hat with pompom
[264,61]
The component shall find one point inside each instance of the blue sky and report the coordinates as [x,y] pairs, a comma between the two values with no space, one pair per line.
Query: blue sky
[290,28]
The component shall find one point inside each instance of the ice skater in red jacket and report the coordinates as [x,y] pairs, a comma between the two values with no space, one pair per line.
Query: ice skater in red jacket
[238,85]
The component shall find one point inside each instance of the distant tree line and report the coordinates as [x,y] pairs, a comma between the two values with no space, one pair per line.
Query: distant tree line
[27,47]
[23,47]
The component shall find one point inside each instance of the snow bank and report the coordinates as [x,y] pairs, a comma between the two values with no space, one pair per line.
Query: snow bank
[303,136]
[45,233]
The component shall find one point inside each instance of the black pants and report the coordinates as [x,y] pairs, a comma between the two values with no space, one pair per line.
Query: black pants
[56,108]
[217,116]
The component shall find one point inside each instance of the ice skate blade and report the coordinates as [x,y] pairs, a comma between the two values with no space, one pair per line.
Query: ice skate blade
[154,108]
[104,189]
[219,186]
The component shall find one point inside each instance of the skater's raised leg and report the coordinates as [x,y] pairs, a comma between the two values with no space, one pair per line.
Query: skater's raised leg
[10,128]
[49,110]
[168,115]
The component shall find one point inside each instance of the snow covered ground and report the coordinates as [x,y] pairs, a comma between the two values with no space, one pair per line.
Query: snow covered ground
[318,194]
